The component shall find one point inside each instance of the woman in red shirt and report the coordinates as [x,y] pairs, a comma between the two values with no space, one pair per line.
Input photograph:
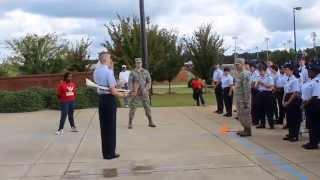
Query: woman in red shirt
[197,86]
[67,92]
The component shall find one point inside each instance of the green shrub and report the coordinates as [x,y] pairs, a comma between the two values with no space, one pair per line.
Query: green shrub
[35,99]
[23,101]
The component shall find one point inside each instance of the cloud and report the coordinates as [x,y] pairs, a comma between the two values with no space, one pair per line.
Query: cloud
[15,24]
[250,20]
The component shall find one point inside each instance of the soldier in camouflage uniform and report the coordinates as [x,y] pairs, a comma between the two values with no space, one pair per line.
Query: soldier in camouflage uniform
[139,86]
[243,93]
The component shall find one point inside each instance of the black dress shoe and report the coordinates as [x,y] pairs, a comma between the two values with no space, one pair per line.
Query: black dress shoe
[115,156]
[295,139]
[152,125]
[227,115]
[219,112]
[261,127]
[310,146]
[272,127]
[287,138]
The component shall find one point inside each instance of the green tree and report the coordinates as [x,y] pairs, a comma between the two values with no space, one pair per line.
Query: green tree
[171,63]
[38,54]
[3,70]
[77,55]
[124,45]
[205,48]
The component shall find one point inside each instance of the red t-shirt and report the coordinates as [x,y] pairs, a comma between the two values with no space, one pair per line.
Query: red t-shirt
[197,84]
[67,91]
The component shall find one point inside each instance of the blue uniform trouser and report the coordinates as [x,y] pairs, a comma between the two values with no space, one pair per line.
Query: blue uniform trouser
[108,123]
[265,108]
[314,122]
[294,116]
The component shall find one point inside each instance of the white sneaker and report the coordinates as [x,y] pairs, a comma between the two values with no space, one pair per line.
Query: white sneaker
[74,129]
[59,133]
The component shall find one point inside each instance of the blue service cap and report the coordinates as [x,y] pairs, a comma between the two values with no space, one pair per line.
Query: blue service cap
[314,67]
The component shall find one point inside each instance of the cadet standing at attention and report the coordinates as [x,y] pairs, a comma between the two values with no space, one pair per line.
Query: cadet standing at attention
[217,76]
[292,104]
[242,92]
[314,109]
[254,75]
[265,86]
[306,95]
[227,83]
[279,84]
[104,76]
[139,86]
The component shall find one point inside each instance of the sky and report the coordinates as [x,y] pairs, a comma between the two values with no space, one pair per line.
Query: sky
[250,20]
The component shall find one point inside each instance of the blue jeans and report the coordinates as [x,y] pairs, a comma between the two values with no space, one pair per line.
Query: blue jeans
[67,109]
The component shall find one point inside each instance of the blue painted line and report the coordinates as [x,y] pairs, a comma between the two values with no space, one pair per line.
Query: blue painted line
[269,156]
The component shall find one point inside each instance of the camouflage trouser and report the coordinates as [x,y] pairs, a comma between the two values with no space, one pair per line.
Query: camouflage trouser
[244,115]
[134,102]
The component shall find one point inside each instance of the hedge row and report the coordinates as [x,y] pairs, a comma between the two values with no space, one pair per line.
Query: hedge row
[36,99]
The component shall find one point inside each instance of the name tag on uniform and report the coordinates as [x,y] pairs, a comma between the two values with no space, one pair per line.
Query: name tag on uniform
[69,93]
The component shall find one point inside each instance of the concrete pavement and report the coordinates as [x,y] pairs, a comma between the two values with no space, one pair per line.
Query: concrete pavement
[188,144]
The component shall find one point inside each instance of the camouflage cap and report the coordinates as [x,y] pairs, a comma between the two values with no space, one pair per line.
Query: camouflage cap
[240,61]
[138,60]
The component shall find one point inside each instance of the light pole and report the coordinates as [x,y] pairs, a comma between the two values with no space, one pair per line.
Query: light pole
[235,38]
[257,53]
[144,41]
[314,41]
[267,41]
[294,30]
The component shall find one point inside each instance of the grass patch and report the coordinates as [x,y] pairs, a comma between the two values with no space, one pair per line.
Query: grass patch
[176,100]
[180,97]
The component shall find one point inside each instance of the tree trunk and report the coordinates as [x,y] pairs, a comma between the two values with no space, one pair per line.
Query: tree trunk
[170,87]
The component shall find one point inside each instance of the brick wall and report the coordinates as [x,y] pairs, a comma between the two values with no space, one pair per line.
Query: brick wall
[52,80]
[45,81]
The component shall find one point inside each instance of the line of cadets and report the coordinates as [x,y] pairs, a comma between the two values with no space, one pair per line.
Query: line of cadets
[277,94]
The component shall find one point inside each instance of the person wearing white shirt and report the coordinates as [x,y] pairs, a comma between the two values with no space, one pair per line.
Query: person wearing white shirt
[123,81]
[292,104]
[265,85]
[303,71]
[280,81]
[313,106]
[216,82]
[227,83]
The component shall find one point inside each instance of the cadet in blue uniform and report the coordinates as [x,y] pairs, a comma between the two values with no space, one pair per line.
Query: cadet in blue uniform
[314,110]
[279,86]
[306,95]
[253,79]
[303,71]
[274,73]
[104,76]
[265,84]
[227,83]
[217,75]
[292,104]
